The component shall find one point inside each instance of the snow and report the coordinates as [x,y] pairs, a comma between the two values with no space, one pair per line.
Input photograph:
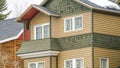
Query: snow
[105,4]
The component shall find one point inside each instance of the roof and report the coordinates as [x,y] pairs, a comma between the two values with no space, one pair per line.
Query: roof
[37,46]
[9,30]
[91,5]
[97,7]
[33,10]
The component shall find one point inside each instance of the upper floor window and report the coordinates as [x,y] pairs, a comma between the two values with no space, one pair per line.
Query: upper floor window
[36,65]
[74,23]
[104,63]
[41,31]
[74,63]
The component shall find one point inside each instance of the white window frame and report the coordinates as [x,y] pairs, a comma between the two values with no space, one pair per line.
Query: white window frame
[107,61]
[40,25]
[74,62]
[73,23]
[36,63]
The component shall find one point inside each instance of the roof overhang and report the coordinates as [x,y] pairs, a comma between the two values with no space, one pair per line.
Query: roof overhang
[39,54]
[99,9]
[12,38]
[32,11]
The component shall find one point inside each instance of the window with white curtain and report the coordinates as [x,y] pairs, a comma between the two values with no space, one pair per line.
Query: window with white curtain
[74,63]
[73,23]
[104,63]
[41,31]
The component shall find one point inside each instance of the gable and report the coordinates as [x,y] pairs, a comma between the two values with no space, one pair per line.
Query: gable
[65,7]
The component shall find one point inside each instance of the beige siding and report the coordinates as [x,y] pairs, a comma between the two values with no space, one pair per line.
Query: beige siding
[85,53]
[45,59]
[40,18]
[58,26]
[113,55]
[53,62]
[106,24]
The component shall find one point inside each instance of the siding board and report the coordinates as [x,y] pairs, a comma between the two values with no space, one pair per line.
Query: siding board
[106,24]
[113,55]
[85,53]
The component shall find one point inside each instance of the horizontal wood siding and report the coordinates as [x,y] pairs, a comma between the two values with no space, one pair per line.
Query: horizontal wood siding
[40,18]
[106,24]
[85,53]
[53,62]
[46,59]
[58,26]
[113,55]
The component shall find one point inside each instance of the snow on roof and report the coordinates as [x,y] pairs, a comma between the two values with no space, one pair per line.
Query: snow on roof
[105,4]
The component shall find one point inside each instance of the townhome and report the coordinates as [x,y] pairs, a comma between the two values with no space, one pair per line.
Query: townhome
[71,34]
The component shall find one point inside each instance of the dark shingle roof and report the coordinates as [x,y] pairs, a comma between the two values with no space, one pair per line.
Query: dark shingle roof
[9,29]
[43,9]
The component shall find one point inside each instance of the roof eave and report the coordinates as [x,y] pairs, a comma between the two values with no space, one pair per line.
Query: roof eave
[99,9]
[19,18]
[12,38]
[45,11]
[78,1]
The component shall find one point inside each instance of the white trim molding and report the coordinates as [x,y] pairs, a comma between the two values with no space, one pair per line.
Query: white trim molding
[12,38]
[39,54]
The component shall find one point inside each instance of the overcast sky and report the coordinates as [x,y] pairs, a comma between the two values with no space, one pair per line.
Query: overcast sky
[18,6]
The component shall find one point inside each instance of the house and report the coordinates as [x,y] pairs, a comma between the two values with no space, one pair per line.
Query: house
[71,34]
[10,42]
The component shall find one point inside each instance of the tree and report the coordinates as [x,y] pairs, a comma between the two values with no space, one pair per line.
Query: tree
[3,7]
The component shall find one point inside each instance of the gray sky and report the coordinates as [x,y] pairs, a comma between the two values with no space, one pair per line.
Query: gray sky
[18,6]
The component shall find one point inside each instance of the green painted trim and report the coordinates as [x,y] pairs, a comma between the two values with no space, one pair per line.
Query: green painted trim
[106,41]
[56,61]
[92,22]
[50,21]
[50,61]
[72,42]
[75,42]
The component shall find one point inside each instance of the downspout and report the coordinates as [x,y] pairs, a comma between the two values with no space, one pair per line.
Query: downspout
[50,39]
[92,23]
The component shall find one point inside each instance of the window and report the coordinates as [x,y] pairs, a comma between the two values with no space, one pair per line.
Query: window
[36,65]
[74,63]
[79,63]
[41,31]
[104,63]
[68,64]
[74,23]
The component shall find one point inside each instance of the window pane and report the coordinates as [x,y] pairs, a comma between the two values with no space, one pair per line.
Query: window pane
[79,63]
[104,63]
[78,22]
[32,65]
[69,64]
[41,65]
[38,32]
[68,24]
[46,31]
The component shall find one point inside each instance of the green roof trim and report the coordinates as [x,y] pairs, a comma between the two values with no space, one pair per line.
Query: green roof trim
[34,46]
[37,46]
